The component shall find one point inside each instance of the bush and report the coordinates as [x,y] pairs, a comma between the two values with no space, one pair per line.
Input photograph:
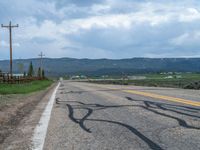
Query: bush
[193,85]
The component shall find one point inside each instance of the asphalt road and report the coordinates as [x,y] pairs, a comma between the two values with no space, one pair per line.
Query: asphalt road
[109,117]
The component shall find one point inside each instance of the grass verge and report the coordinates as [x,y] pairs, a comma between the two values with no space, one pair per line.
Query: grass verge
[174,83]
[24,88]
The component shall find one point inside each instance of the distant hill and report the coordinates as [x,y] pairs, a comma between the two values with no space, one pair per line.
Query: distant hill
[71,66]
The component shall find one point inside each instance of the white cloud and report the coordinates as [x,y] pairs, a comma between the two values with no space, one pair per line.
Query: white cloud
[6,44]
[187,39]
[135,25]
[191,14]
[147,13]
[100,8]
[51,30]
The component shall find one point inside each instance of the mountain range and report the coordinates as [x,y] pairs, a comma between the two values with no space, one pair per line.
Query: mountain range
[96,67]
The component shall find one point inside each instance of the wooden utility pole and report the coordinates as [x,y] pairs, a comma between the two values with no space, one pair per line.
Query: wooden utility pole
[10,26]
[41,61]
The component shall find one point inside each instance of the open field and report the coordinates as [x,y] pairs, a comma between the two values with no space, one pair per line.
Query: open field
[182,80]
[24,88]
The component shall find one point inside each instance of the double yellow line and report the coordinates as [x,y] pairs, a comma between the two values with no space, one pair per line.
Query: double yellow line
[157,96]
[162,97]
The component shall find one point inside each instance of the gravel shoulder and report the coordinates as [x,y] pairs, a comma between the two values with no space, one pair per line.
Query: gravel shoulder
[19,115]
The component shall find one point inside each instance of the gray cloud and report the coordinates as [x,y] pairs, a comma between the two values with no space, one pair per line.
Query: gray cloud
[102,28]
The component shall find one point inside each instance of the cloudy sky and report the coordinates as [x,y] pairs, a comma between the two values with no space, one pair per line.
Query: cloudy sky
[101,28]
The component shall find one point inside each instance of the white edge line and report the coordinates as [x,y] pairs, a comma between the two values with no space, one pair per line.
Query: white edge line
[41,129]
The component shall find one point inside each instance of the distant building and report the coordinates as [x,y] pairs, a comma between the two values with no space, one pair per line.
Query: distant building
[75,77]
[18,74]
[136,77]
[169,77]
[78,77]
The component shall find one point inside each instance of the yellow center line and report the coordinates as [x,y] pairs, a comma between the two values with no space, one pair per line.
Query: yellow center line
[168,98]
[157,96]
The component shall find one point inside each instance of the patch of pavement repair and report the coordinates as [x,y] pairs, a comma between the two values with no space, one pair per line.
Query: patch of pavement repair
[41,129]
[25,120]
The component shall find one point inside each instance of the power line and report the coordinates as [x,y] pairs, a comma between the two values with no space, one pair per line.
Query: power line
[10,26]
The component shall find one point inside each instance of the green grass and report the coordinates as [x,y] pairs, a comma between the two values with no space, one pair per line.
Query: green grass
[163,76]
[187,80]
[176,83]
[24,88]
[180,83]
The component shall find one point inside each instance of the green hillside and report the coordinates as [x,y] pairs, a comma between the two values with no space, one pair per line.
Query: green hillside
[70,66]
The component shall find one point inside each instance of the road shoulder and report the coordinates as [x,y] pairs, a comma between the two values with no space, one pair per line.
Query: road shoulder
[19,126]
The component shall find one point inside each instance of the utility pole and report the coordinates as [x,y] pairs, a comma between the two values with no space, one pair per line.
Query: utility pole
[41,61]
[10,26]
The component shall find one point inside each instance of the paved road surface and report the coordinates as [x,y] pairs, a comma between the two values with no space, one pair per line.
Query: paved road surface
[109,117]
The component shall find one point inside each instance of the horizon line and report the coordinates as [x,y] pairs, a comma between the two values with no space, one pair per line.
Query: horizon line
[103,58]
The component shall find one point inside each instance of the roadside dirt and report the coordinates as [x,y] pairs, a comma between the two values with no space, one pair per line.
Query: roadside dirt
[18,109]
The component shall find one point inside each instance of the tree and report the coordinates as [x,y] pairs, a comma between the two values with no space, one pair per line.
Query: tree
[39,72]
[24,74]
[43,73]
[30,70]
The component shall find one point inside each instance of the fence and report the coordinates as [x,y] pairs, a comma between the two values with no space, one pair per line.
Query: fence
[6,78]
